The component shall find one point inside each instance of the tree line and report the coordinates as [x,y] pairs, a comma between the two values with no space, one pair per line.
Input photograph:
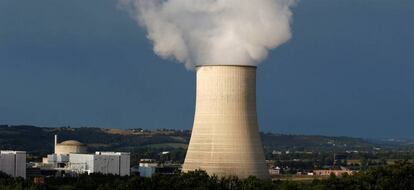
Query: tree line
[393,177]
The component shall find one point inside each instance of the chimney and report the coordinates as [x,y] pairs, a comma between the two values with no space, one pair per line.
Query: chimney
[225,139]
[56,139]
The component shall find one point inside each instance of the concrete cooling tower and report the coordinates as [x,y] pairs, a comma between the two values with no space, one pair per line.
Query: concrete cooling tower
[225,140]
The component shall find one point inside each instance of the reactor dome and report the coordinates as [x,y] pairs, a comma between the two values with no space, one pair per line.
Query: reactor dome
[71,147]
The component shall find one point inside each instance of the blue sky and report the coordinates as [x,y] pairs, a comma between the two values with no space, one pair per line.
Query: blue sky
[348,70]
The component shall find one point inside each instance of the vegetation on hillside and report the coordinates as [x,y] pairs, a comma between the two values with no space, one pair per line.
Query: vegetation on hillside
[40,140]
[312,150]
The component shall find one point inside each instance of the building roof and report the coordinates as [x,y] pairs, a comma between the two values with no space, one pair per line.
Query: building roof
[12,152]
[71,143]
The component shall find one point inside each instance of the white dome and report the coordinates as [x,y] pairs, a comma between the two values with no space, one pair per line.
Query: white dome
[70,147]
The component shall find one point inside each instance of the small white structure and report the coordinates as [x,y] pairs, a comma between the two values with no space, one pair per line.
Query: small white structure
[147,167]
[274,171]
[117,163]
[13,163]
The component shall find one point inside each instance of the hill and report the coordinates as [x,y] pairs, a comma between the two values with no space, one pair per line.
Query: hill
[147,143]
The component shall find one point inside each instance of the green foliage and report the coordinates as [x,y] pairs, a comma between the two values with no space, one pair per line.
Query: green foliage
[396,177]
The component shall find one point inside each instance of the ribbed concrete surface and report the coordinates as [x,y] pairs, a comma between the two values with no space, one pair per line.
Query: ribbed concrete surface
[225,140]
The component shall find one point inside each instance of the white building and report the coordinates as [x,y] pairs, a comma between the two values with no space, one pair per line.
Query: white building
[147,167]
[13,163]
[56,160]
[274,171]
[117,163]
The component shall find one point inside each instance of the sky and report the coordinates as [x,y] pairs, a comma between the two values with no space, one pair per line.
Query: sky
[347,71]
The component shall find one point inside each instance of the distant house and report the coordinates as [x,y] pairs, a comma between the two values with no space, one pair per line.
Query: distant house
[274,171]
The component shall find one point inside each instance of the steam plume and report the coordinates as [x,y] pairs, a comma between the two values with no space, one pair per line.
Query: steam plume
[199,32]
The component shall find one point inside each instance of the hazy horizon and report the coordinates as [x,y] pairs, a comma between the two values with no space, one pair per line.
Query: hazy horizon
[347,70]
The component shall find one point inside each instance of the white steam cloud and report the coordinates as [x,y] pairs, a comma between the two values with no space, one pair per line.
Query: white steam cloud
[227,32]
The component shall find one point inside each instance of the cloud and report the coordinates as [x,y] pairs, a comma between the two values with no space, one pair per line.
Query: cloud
[220,32]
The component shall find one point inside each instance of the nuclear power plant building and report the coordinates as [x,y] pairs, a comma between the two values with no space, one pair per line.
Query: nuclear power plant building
[72,157]
[70,146]
[117,163]
[225,140]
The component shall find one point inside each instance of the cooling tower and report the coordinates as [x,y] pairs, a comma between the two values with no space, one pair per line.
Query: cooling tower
[225,140]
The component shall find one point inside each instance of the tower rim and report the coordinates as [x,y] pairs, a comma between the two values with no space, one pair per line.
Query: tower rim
[226,65]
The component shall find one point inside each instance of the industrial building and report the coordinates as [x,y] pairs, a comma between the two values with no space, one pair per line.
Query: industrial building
[71,158]
[60,157]
[13,163]
[149,167]
[117,163]
[225,140]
